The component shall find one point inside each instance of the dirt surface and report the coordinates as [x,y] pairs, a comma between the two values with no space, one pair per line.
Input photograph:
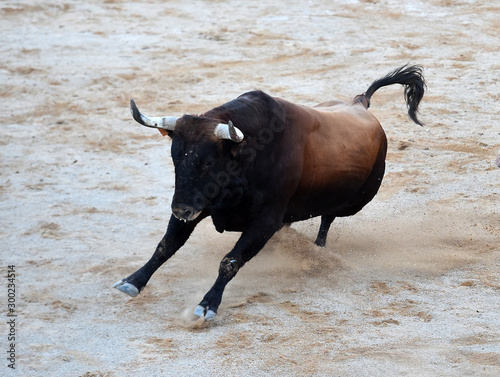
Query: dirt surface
[408,287]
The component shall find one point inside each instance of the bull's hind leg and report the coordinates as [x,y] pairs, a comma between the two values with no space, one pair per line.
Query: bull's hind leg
[177,234]
[326,221]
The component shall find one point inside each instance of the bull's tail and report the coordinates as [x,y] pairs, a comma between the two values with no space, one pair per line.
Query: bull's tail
[410,76]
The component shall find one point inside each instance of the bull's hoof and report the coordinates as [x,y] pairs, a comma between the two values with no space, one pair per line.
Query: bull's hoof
[210,315]
[320,243]
[204,313]
[127,288]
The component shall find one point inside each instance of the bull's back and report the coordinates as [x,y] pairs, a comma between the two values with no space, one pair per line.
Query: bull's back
[342,145]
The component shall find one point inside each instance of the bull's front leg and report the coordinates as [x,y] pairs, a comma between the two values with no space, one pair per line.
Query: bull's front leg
[177,234]
[250,243]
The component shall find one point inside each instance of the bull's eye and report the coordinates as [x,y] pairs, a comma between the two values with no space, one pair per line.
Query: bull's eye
[208,165]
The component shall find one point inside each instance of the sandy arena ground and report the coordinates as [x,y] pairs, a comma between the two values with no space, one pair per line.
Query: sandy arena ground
[410,286]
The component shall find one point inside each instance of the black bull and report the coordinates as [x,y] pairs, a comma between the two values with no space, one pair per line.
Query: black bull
[273,164]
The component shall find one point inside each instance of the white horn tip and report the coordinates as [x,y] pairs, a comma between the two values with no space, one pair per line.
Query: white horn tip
[229,132]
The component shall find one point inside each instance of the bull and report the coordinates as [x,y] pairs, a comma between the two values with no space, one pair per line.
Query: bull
[258,163]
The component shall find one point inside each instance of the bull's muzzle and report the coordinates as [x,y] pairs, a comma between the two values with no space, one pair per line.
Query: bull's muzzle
[184,212]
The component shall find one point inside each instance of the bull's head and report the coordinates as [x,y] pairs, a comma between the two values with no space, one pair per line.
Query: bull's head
[203,166]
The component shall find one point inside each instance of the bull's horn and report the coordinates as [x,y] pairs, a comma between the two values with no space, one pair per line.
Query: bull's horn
[229,131]
[164,123]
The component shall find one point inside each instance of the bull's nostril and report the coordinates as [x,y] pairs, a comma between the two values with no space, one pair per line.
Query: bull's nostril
[183,212]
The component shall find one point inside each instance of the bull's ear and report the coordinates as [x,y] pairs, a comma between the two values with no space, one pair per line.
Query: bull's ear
[235,149]
[165,132]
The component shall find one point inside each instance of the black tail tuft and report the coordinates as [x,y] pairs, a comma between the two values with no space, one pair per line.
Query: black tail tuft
[411,77]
